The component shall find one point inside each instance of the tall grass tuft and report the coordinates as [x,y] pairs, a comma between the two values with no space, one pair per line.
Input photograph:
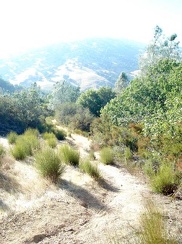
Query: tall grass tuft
[48,163]
[107,155]
[165,180]
[92,170]
[26,145]
[69,155]
[2,153]
[152,226]
[12,137]
[50,139]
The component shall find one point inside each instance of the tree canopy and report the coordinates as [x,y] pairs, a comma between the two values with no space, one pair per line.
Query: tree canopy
[94,100]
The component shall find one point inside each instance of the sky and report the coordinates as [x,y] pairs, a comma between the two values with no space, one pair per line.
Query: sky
[28,24]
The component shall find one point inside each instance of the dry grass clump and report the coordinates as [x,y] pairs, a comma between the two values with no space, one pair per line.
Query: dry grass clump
[69,155]
[152,226]
[91,169]
[26,144]
[107,155]
[50,139]
[48,163]
[12,137]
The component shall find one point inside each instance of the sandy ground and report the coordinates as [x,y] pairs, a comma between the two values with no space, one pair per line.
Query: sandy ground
[79,209]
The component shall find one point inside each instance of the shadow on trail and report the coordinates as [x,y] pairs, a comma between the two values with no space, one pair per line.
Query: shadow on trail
[3,206]
[81,194]
[9,184]
[107,186]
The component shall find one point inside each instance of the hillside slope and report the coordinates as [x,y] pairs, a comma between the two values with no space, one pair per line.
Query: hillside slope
[78,209]
[87,63]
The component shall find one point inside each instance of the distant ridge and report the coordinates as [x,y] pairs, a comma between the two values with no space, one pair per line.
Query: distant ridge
[90,63]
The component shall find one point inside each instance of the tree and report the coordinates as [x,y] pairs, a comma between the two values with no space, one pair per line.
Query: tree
[91,100]
[147,95]
[63,92]
[121,83]
[160,47]
[94,100]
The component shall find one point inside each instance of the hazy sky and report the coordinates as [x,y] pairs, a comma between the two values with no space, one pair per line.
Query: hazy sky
[31,23]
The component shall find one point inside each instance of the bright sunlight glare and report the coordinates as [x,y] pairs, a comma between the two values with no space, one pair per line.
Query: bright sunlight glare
[33,23]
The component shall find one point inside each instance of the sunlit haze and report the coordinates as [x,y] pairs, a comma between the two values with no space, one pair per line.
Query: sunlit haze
[33,23]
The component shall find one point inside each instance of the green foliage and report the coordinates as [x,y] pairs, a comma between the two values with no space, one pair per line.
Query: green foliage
[60,134]
[48,163]
[69,155]
[12,137]
[128,154]
[95,100]
[166,179]
[106,155]
[74,116]
[64,92]
[23,109]
[146,95]
[121,83]
[91,169]
[161,47]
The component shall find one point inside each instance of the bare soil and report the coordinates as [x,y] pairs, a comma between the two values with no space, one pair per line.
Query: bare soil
[78,209]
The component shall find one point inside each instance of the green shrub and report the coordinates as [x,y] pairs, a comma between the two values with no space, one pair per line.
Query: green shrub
[69,155]
[48,135]
[48,163]
[20,151]
[52,142]
[25,145]
[128,154]
[87,167]
[31,132]
[60,134]
[165,180]
[12,137]
[106,155]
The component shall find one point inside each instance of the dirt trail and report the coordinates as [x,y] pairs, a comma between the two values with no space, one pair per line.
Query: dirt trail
[80,210]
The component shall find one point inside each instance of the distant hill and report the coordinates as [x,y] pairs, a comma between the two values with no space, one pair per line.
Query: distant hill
[89,63]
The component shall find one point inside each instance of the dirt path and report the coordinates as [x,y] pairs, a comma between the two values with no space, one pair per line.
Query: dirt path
[80,210]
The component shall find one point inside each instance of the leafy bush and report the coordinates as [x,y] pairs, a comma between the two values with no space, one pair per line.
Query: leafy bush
[12,136]
[48,163]
[60,134]
[165,180]
[106,155]
[69,155]
[87,167]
